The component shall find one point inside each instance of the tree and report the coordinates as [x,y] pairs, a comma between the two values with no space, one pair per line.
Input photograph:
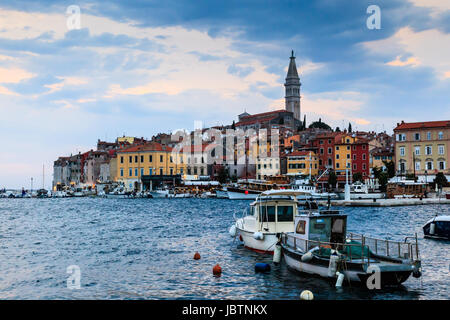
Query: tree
[390,168]
[357,176]
[332,179]
[376,172]
[337,129]
[383,180]
[222,175]
[350,128]
[304,122]
[440,180]
[233,125]
[320,125]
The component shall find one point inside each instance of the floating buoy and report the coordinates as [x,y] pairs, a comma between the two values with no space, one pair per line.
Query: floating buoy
[340,279]
[277,254]
[233,231]
[197,256]
[332,266]
[306,295]
[258,236]
[217,270]
[262,267]
[240,237]
[246,191]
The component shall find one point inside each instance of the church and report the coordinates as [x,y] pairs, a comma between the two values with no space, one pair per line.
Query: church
[287,118]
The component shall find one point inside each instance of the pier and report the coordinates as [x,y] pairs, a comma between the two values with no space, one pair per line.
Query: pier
[386,202]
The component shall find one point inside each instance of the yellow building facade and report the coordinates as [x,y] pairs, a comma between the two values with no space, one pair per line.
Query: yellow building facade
[343,153]
[148,159]
[422,148]
[303,162]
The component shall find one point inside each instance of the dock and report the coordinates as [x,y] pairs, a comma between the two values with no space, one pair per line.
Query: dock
[386,202]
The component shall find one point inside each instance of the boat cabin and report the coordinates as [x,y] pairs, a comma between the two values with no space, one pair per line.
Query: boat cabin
[326,226]
[273,214]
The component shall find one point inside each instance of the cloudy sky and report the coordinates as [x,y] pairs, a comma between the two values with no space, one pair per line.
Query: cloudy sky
[142,67]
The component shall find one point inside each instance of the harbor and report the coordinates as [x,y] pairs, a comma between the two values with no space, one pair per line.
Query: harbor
[144,248]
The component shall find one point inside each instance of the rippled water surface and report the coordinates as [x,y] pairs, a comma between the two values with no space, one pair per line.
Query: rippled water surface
[143,249]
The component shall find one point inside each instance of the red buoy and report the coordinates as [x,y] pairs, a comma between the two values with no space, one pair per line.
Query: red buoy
[217,270]
[246,191]
[197,256]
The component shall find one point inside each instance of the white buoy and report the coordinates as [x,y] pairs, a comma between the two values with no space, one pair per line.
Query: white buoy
[258,235]
[340,279]
[332,266]
[307,256]
[306,295]
[277,254]
[233,231]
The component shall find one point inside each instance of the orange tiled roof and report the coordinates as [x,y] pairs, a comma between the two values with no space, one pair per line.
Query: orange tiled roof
[422,125]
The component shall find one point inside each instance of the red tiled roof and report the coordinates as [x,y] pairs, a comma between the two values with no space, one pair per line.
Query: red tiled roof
[422,125]
[150,146]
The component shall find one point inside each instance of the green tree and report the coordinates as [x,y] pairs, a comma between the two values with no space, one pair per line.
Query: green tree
[350,128]
[357,176]
[383,181]
[320,125]
[390,168]
[376,172]
[332,180]
[337,129]
[233,125]
[304,122]
[440,180]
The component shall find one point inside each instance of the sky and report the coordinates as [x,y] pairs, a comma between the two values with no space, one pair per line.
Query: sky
[142,67]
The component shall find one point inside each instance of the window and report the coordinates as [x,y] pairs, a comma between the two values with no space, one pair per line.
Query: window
[348,155]
[337,156]
[337,165]
[402,151]
[428,150]
[300,229]
[401,137]
[136,172]
[338,226]
[150,158]
[142,172]
[441,149]
[429,165]
[354,166]
[171,171]
[321,150]
[329,141]
[440,135]
[121,172]
[348,147]
[285,213]
[417,150]
[330,162]
[136,159]
[354,157]
[428,135]
[417,136]
[364,166]
[364,156]
[337,147]
[267,214]
[161,158]
[364,147]
[329,151]
[130,159]
[417,166]
[150,171]
[441,165]
[354,147]
[130,172]
[161,171]
[121,159]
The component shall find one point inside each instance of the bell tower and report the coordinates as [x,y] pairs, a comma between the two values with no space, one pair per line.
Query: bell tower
[292,89]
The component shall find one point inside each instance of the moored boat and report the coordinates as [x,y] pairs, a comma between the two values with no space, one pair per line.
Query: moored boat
[320,245]
[270,215]
[437,228]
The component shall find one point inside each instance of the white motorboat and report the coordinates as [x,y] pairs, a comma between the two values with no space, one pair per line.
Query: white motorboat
[320,245]
[437,228]
[59,194]
[236,193]
[270,215]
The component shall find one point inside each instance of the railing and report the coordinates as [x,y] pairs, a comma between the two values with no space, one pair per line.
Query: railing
[349,250]
[393,249]
[359,251]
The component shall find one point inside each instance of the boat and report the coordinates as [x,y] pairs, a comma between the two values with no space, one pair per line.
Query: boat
[270,215]
[222,193]
[437,228]
[238,193]
[59,194]
[166,193]
[319,245]
[312,191]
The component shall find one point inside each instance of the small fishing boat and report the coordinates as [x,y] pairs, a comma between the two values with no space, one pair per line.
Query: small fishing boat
[320,245]
[270,215]
[237,193]
[437,228]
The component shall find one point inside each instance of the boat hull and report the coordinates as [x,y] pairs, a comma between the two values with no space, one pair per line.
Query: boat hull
[355,272]
[266,245]
[233,195]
